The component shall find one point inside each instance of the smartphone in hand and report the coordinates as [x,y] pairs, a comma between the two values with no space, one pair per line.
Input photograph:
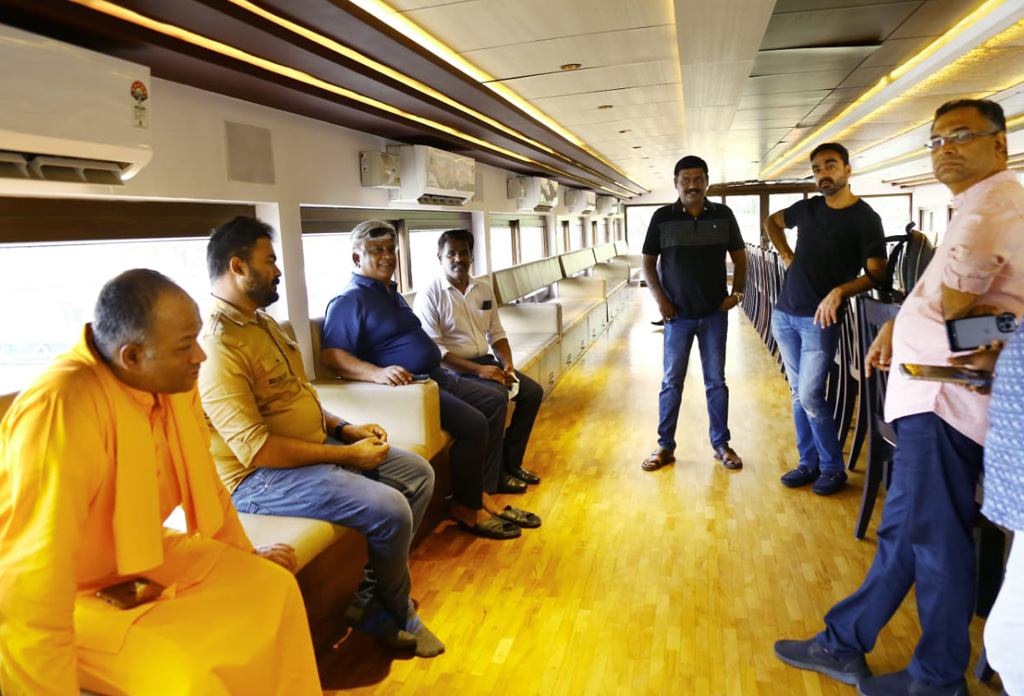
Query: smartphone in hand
[969,333]
[947,373]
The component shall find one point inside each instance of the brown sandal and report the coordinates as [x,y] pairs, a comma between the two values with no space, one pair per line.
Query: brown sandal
[657,459]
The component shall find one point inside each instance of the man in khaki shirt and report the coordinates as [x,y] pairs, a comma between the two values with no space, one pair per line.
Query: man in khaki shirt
[271,442]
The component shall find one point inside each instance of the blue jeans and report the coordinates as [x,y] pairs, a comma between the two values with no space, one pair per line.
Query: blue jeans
[925,538]
[710,333]
[808,352]
[386,505]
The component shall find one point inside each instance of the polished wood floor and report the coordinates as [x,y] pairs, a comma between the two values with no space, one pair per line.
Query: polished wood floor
[672,582]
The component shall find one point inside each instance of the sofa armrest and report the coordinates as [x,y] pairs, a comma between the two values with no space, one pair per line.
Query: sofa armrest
[411,414]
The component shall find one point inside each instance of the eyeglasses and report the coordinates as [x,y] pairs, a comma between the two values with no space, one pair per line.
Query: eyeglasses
[961,138]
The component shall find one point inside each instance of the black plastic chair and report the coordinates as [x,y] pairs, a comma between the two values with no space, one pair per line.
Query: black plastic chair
[881,438]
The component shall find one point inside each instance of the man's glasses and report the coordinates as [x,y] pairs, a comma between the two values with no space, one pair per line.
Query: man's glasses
[961,138]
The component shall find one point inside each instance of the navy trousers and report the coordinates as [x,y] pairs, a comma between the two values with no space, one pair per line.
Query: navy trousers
[925,538]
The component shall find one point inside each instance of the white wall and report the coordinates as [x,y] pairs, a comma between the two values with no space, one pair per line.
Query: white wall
[315,163]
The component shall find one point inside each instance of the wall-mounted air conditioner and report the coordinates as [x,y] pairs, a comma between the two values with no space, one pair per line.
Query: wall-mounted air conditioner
[378,169]
[580,202]
[533,193]
[69,114]
[434,177]
[607,205]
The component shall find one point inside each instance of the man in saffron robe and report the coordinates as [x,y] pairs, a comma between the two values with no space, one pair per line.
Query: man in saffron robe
[94,455]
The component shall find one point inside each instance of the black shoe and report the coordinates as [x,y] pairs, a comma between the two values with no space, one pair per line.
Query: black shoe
[829,482]
[510,484]
[809,655]
[901,684]
[523,475]
[520,518]
[660,322]
[800,476]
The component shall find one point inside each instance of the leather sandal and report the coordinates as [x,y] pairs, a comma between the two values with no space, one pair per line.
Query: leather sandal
[492,528]
[520,518]
[657,459]
[727,455]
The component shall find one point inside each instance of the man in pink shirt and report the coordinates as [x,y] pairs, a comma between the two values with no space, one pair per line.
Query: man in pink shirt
[925,536]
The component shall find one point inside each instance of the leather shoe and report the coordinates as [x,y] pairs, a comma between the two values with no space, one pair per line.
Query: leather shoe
[520,518]
[523,475]
[510,484]
[727,455]
[810,655]
[902,684]
[492,528]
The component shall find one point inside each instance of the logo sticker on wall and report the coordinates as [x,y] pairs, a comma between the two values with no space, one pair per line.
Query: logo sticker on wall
[140,109]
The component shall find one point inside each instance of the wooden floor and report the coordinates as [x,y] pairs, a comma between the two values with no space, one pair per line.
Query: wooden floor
[673,582]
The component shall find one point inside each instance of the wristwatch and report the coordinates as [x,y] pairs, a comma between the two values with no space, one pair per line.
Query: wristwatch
[739,297]
[339,428]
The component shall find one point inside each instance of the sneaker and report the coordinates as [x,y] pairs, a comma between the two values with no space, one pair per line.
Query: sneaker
[829,482]
[800,476]
[899,683]
[810,655]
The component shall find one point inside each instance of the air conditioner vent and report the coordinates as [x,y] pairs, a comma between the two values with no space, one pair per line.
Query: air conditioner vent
[15,165]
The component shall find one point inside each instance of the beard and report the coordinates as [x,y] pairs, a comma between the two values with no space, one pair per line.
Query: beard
[262,293]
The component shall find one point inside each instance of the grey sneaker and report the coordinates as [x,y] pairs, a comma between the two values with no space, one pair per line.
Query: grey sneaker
[809,655]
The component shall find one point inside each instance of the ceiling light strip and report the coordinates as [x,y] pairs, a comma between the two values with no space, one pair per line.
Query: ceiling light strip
[409,29]
[1011,9]
[187,36]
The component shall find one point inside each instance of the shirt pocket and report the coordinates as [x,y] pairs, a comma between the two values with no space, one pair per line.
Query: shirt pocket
[272,378]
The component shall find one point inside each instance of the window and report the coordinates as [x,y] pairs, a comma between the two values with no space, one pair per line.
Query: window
[531,242]
[894,209]
[577,235]
[45,311]
[781,201]
[747,210]
[638,218]
[328,263]
[502,252]
[423,263]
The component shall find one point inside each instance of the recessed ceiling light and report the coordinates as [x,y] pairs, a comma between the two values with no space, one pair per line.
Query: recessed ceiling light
[637,147]
[625,131]
[572,66]
[606,106]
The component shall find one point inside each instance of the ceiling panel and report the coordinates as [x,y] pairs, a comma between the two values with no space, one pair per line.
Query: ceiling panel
[632,95]
[623,115]
[934,18]
[793,113]
[785,6]
[663,72]
[470,26]
[801,82]
[761,101]
[800,60]
[591,51]
[834,27]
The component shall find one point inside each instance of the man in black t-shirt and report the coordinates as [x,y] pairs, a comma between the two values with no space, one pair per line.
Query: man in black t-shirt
[684,266]
[838,234]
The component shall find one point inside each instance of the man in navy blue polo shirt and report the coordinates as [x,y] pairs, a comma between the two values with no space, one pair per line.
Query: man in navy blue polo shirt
[838,234]
[684,266]
[372,335]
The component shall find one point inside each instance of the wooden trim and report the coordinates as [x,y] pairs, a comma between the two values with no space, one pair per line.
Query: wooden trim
[47,220]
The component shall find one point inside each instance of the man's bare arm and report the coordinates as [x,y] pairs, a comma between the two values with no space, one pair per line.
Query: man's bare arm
[348,366]
[739,269]
[775,228]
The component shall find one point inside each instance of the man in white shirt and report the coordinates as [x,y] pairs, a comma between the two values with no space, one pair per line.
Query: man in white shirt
[460,314]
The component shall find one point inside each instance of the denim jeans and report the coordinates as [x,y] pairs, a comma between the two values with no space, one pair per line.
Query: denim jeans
[386,504]
[710,333]
[925,539]
[808,352]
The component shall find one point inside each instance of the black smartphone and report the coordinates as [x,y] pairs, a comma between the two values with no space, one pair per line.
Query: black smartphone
[969,333]
[947,373]
[131,593]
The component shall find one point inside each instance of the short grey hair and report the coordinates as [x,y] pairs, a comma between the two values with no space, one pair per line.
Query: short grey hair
[124,308]
[373,229]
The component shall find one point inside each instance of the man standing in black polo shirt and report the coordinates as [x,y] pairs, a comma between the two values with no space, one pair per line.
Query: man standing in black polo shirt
[689,240]
[838,234]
